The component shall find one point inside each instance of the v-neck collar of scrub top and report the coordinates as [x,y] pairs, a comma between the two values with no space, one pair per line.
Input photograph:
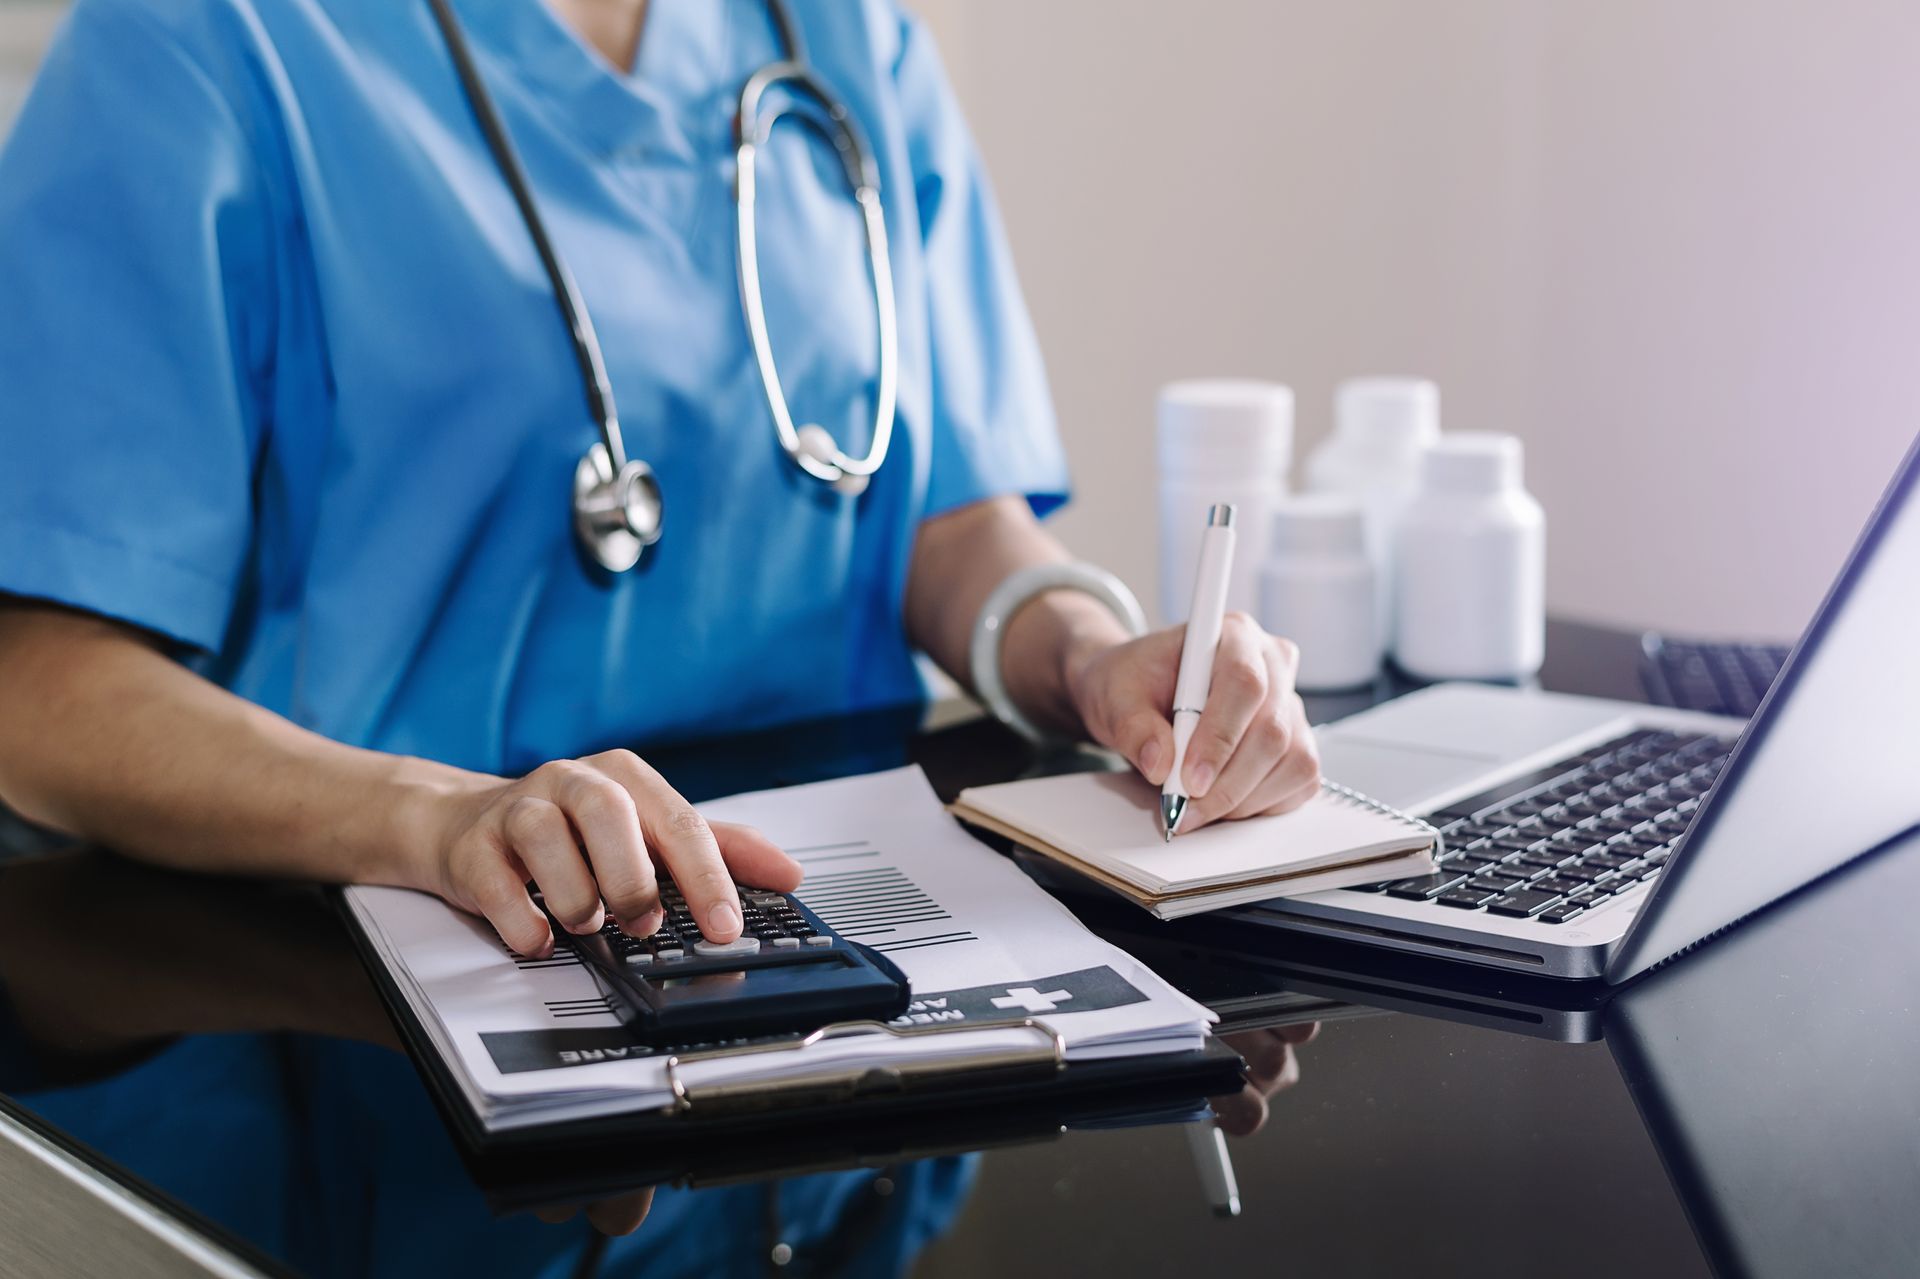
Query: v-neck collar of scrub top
[686,55]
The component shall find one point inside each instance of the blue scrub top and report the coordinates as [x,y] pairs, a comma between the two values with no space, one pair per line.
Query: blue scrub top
[281,378]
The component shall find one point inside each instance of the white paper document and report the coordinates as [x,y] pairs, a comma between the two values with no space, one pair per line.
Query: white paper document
[533,1041]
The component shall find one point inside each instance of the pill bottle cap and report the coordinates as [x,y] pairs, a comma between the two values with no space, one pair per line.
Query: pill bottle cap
[1387,416]
[1231,426]
[1472,462]
[1317,522]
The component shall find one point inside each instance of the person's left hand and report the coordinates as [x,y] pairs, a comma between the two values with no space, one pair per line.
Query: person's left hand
[1252,751]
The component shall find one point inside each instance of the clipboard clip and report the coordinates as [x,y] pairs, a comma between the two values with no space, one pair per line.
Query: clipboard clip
[841,1082]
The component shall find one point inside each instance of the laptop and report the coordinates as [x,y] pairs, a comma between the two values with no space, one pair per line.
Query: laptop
[1589,838]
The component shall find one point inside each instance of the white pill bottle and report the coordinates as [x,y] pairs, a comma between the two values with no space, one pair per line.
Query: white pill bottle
[1470,571]
[1317,589]
[1382,427]
[1220,440]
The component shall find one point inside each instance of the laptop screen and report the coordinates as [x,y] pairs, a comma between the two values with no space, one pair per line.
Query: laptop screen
[1829,767]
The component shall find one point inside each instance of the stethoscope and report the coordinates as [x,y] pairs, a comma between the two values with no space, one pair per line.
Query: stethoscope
[617,510]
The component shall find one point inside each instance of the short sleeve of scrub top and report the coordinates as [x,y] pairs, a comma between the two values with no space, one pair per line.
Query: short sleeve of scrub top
[281,381]
[136,268]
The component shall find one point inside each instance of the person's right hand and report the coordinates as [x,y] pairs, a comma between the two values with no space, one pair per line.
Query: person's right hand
[588,831]
[1272,1067]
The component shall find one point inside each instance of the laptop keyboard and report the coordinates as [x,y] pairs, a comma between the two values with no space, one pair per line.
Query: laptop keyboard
[1722,679]
[1565,838]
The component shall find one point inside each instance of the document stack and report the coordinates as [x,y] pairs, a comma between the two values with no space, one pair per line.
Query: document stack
[1000,973]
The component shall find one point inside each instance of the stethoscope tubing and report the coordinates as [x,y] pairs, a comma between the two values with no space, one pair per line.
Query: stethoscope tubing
[585,342]
[753,128]
[617,508]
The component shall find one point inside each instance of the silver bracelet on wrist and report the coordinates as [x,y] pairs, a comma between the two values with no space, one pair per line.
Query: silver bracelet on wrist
[989,629]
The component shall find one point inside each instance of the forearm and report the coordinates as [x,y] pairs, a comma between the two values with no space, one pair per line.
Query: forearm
[106,738]
[958,559]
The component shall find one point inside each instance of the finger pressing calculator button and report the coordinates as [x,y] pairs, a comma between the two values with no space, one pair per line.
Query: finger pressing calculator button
[740,946]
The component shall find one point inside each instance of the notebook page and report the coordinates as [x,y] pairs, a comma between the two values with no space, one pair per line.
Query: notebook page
[1112,820]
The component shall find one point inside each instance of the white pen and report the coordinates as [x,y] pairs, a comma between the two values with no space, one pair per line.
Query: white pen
[1196,654]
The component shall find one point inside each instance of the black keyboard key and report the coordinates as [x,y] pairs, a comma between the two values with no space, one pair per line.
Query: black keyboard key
[1559,885]
[1522,904]
[1562,913]
[1489,882]
[1423,887]
[1489,800]
[1464,897]
[1546,858]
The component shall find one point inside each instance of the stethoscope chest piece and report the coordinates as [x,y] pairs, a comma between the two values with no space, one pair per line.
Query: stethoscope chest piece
[617,513]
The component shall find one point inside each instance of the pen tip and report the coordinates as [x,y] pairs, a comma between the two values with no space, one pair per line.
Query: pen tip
[1172,809]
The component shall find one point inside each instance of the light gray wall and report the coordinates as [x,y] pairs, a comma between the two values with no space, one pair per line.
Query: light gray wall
[1672,244]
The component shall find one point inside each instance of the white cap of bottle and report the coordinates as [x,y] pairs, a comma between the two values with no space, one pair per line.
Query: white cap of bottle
[1386,416]
[1238,427]
[1473,462]
[1309,523]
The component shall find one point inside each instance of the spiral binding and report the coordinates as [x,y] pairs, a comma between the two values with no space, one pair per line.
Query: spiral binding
[1352,796]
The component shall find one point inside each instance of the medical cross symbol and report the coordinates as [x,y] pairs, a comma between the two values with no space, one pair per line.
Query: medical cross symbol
[1032,1000]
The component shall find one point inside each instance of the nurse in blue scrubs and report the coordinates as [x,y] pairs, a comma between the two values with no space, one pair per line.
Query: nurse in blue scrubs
[289,426]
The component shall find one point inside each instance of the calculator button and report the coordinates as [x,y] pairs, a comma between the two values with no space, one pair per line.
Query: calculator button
[741,946]
[786,942]
[819,940]
[640,959]
[672,952]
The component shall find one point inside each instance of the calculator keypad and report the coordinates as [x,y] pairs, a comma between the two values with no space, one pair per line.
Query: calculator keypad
[770,921]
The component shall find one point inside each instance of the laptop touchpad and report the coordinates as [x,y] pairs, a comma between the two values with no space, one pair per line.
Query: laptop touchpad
[1403,776]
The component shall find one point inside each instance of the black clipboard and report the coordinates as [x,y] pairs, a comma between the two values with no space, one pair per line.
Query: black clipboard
[886,1106]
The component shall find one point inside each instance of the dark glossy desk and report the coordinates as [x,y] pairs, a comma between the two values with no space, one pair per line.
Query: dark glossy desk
[1752,1107]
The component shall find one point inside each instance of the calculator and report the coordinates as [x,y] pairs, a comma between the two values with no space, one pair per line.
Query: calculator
[786,973]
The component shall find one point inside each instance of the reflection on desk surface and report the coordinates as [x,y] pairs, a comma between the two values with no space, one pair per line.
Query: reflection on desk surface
[221,1041]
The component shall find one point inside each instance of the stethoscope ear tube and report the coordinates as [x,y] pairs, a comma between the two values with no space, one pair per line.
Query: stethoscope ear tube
[811,447]
[617,506]
[566,295]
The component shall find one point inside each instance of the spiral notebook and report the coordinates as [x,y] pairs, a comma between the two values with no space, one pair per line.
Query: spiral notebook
[1107,827]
